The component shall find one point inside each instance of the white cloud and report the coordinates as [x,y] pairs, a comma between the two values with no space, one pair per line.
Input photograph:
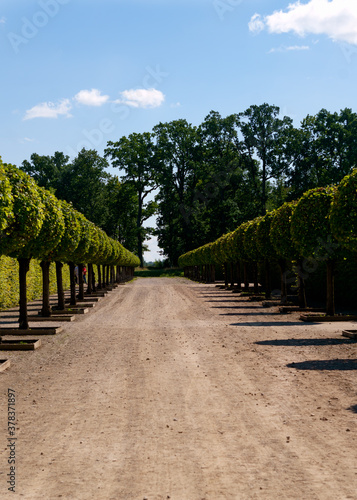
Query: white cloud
[2,20]
[142,98]
[49,110]
[335,18]
[91,97]
[288,49]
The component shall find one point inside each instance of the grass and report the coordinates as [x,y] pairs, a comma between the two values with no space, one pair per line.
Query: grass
[159,273]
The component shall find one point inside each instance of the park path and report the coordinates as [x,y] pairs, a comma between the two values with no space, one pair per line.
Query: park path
[173,389]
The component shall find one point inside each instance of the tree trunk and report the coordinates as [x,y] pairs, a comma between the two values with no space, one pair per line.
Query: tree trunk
[267,279]
[213,273]
[46,308]
[94,288]
[90,279]
[231,270]
[24,266]
[255,271]
[239,278]
[81,283]
[72,278]
[225,265]
[330,302]
[60,292]
[246,278]
[103,276]
[99,286]
[301,285]
[284,291]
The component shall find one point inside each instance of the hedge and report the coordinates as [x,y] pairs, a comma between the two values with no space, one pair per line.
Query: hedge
[9,279]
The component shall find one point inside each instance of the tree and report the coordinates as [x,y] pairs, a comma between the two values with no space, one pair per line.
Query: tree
[266,248]
[281,240]
[343,216]
[25,225]
[135,155]
[83,183]
[322,151]
[6,200]
[122,208]
[311,233]
[66,246]
[263,138]
[48,171]
[251,247]
[42,247]
[176,153]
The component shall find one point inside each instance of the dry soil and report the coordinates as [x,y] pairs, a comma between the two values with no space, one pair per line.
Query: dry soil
[169,389]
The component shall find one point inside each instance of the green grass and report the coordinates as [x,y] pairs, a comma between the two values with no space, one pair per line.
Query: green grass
[159,273]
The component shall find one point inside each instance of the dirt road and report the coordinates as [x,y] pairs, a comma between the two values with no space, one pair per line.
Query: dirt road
[172,389]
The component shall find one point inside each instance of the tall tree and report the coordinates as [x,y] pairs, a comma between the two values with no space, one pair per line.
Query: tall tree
[322,151]
[263,135]
[83,183]
[135,156]
[177,154]
[46,170]
[122,207]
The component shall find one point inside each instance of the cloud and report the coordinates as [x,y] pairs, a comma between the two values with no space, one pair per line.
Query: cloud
[2,20]
[142,98]
[91,97]
[288,49]
[49,110]
[335,18]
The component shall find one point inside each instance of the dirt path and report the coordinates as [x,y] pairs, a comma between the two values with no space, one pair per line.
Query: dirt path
[172,389]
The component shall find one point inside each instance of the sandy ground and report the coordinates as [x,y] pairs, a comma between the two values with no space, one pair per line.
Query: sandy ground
[173,389]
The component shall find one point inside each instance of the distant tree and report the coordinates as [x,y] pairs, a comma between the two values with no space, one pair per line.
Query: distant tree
[135,156]
[122,209]
[46,170]
[322,151]
[263,135]
[83,183]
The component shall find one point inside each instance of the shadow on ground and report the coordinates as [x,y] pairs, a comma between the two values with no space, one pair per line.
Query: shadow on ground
[328,364]
[305,342]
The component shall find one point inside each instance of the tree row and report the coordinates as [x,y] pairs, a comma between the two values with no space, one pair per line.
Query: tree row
[34,224]
[319,226]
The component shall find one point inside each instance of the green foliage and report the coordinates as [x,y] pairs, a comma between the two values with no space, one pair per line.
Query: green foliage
[6,199]
[52,229]
[263,242]
[280,232]
[28,209]
[251,240]
[71,235]
[343,215]
[310,224]
[9,279]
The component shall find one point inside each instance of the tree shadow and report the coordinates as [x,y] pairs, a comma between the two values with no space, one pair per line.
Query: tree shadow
[353,408]
[222,300]
[237,307]
[271,323]
[328,364]
[305,342]
[250,314]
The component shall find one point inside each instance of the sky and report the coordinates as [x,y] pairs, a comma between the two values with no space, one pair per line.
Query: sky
[80,73]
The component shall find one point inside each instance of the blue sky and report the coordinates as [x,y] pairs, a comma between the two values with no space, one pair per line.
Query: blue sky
[77,73]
